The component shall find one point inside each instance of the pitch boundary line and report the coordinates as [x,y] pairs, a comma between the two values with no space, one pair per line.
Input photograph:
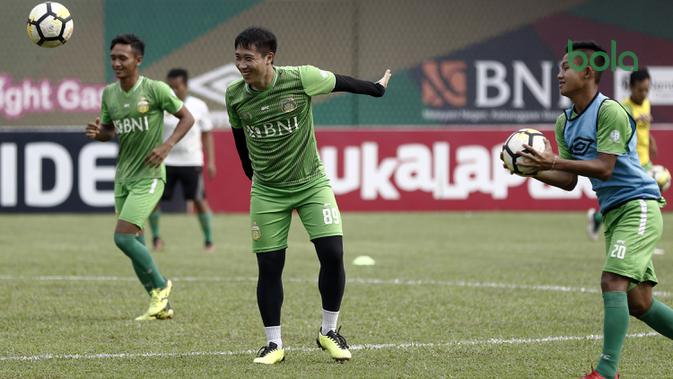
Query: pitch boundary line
[372,281]
[386,346]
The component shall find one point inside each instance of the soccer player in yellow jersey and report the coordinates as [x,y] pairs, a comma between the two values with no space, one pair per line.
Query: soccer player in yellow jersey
[639,106]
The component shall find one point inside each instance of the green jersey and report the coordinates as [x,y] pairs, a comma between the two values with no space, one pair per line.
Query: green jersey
[138,119]
[278,124]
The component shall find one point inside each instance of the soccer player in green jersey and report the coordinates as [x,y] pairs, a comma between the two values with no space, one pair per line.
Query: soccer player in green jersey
[132,109]
[272,122]
[597,139]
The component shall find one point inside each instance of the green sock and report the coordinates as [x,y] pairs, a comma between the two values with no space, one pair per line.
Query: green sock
[660,318]
[204,220]
[145,278]
[598,217]
[154,222]
[615,325]
[134,249]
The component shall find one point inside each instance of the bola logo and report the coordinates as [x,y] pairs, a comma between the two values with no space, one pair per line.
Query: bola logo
[610,62]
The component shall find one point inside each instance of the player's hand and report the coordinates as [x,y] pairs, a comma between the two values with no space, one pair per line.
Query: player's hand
[536,160]
[212,171]
[504,165]
[158,155]
[93,129]
[645,118]
[384,80]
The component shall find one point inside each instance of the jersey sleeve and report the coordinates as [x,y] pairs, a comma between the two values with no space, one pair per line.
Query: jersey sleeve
[559,128]
[316,81]
[105,118]
[166,98]
[234,119]
[613,130]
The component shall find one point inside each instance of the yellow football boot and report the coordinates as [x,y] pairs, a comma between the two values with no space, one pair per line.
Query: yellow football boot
[270,354]
[335,344]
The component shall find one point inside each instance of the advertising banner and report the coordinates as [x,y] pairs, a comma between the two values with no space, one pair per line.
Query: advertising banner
[370,170]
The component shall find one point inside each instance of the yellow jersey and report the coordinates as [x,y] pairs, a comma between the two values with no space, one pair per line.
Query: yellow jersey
[642,128]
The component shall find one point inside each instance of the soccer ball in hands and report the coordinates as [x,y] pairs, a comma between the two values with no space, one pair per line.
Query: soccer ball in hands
[662,176]
[514,146]
[49,24]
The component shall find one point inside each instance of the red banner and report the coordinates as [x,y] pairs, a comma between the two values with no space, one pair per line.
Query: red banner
[417,170]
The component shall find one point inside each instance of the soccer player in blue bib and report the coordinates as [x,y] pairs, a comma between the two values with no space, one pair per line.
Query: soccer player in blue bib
[596,138]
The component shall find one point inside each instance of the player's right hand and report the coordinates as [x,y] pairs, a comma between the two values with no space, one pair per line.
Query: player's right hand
[384,80]
[93,129]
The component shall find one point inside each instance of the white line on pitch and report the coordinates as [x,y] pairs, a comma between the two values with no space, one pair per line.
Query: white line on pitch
[386,346]
[373,281]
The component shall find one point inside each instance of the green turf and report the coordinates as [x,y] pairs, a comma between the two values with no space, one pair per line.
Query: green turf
[464,327]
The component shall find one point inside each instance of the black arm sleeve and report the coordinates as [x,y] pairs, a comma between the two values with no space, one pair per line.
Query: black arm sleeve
[242,148]
[346,83]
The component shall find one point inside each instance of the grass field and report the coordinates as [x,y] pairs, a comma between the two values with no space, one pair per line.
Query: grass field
[458,295]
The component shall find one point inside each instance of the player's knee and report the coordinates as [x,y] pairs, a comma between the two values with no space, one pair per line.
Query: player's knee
[637,310]
[638,307]
[121,240]
[330,249]
[271,264]
[613,282]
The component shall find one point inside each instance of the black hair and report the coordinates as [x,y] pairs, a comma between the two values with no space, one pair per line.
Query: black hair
[129,39]
[591,47]
[262,39]
[178,73]
[638,76]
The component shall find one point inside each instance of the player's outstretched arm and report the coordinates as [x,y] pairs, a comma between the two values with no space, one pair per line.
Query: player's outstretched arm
[99,132]
[345,83]
[242,149]
[185,122]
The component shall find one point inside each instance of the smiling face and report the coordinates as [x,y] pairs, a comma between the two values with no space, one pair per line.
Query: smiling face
[570,80]
[124,61]
[252,64]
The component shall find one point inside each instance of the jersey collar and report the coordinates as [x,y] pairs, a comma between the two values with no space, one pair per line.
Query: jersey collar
[252,91]
[135,86]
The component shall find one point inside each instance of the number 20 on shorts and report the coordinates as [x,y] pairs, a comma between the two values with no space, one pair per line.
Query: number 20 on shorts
[618,250]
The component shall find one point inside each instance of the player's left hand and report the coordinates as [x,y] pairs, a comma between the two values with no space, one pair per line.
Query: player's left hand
[158,155]
[212,171]
[536,160]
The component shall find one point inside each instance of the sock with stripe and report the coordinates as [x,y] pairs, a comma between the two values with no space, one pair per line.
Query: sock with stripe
[615,325]
[134,249]
[660,318]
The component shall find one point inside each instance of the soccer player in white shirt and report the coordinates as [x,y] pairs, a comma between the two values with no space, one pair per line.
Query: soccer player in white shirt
[184,164]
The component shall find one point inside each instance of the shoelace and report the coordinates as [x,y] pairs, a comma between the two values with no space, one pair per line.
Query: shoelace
[338,338]
[264,350]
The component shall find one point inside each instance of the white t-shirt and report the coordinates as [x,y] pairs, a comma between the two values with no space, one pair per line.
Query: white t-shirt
[188,152]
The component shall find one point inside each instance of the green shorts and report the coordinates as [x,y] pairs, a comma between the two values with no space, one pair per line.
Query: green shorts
[632,231]
[271,213]
[135,200]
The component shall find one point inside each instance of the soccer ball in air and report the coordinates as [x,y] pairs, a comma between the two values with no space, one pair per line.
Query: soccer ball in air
[49,24]
[662,176]
[514,146]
